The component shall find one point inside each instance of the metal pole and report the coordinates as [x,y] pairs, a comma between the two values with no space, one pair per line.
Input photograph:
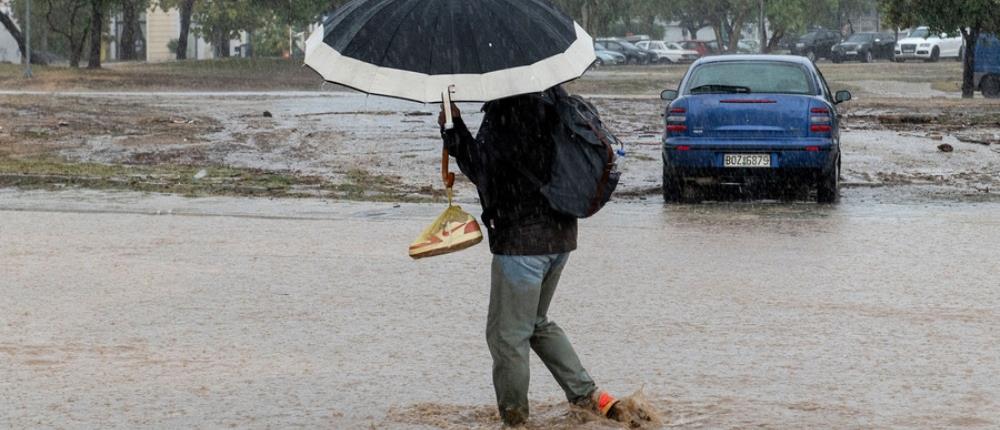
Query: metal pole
[27,40]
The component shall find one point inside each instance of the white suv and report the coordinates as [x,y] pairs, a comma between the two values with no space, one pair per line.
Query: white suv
[922,45]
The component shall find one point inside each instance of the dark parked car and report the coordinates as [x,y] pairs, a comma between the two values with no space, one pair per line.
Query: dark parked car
[788,41]
[865,47]
[633,54]
[743,120]
[816,44]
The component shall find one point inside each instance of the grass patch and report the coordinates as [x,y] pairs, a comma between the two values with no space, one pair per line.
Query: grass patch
[219,75]
[52,173]
[948,86]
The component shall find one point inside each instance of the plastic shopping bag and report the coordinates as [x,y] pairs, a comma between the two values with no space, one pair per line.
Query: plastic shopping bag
[453,231]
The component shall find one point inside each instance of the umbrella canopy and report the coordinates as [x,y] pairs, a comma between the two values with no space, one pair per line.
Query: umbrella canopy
[416,49]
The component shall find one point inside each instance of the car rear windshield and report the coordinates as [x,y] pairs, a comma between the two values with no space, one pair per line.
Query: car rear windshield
[627,45]
[860,38]
[759,77]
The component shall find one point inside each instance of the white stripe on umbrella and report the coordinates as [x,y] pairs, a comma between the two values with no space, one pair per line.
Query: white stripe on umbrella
[424,88]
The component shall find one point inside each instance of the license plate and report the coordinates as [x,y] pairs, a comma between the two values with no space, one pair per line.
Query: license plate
[852,52]
[747,160]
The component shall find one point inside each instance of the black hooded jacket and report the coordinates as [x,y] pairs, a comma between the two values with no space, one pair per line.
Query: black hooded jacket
[515,136]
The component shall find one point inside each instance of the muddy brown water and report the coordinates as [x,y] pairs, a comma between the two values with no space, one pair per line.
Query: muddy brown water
[143,311]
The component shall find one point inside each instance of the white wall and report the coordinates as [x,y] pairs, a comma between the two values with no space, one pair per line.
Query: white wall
[675,33]
[8,46]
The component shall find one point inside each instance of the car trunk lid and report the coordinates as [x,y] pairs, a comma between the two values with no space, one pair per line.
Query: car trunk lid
[749,116]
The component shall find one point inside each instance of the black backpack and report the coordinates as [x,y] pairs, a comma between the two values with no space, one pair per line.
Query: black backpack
[583,173]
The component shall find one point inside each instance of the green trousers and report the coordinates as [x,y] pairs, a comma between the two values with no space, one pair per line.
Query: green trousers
[522,288]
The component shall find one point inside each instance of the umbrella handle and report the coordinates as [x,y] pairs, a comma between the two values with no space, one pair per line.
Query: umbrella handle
[446,176]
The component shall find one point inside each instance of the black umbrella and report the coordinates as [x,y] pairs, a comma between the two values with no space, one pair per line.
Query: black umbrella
[418,49]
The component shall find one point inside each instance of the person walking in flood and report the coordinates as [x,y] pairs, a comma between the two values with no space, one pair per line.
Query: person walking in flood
[531,243]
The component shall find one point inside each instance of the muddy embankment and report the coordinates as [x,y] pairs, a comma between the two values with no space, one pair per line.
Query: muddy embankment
[365,148]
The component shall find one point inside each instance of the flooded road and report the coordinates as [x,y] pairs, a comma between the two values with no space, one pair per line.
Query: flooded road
[125,310]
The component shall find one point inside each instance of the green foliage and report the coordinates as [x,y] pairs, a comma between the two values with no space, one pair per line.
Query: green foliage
[944,16]
[971,17]
[727,17]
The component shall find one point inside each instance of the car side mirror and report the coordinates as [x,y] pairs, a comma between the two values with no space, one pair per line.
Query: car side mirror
[878,40]
[842,96]
[668,95]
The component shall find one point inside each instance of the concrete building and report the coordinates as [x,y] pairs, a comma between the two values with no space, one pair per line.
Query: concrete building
[161,27]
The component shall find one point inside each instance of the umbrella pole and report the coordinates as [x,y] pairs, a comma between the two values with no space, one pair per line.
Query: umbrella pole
[446,176]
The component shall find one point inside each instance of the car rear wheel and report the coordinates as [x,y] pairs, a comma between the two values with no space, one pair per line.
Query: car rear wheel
[899,60]
[673,188]
[868,57]
[828,189]
[990,86]
[633,61]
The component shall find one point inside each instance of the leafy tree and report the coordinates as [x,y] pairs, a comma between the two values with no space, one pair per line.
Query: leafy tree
[971,17]
[14,31]
[66,18]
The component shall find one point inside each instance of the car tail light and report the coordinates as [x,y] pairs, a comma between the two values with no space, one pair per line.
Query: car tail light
[812,148]
[820,120]
[676,121]
[683,148]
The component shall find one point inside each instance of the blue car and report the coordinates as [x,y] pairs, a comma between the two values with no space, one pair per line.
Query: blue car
[748,120]
[987,69]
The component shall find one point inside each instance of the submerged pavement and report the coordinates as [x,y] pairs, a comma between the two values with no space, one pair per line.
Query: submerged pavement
[125,310]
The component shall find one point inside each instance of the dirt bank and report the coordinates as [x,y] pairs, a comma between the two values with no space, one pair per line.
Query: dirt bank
[348,146]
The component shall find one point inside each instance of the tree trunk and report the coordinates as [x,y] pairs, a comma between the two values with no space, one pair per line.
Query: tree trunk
[14,31]
[76,51]
[187,7]
[126,46]
[96,32]
[221,44]
[772,43]
[18,38]
[971,36]
[736,33]
[718,35]
[692,31]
